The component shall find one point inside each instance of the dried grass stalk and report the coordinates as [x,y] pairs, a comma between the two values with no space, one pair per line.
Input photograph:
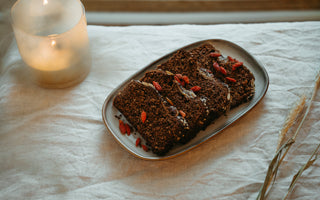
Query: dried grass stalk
[291,119]
[283,150]
[303,168]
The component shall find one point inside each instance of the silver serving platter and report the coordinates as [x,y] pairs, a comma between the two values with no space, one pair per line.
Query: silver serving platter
[227,49]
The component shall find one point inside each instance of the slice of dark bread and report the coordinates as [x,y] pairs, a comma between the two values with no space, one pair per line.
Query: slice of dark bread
[214,91]
[188,104]
[238,77]
[161,128]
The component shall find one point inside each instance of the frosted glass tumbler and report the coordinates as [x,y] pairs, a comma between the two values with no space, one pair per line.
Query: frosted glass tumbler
[53,41]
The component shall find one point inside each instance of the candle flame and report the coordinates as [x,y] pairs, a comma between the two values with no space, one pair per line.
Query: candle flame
[45,2]
[53,43]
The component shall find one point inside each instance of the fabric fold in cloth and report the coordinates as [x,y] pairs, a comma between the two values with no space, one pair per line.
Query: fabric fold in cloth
[54,145]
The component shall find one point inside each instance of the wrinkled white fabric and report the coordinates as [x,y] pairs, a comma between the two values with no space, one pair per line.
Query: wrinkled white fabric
[54,145]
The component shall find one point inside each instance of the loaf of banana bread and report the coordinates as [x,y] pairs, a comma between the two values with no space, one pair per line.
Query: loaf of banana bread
[184,94]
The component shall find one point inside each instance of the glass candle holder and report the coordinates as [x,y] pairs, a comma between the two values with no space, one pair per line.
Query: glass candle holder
[53,41]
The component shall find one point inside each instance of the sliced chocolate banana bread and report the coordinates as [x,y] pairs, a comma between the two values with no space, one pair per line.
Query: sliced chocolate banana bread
[151,115]
[201,82]
[189,106]
[172,103]
[229,70]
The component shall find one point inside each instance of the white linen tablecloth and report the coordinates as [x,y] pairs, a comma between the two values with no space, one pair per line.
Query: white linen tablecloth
[54,145]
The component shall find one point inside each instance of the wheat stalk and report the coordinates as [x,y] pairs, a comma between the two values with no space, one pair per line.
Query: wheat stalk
[291,119]
[304,167]
[278,158]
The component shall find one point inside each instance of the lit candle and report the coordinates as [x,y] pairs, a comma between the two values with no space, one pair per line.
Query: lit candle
[48,57]
[53,40]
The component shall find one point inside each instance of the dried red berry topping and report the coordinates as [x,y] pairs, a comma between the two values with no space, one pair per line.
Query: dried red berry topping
[143,116]
[177,79]
[156,85]
[230,58]
[216,66]
[223,70]
[122,127]
[195,88]
[215,55]
[138,142]
[128,129]
[231,79]
[144,147]
[236,65]
[186,79]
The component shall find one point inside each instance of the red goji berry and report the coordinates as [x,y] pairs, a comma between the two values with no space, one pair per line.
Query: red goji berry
[177,79]
[156,85]
[223,71]
[128,129]
[216,66]
[236,65]
[186,79]
[122,127]
[195,88]
[138,142]
[214,54]
[144,147]
[231,79]
[143,116]
[230,58]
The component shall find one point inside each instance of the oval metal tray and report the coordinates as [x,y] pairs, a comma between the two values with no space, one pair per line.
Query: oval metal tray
[228,49]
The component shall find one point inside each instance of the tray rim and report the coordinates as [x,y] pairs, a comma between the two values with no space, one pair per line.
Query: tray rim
[210,136]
